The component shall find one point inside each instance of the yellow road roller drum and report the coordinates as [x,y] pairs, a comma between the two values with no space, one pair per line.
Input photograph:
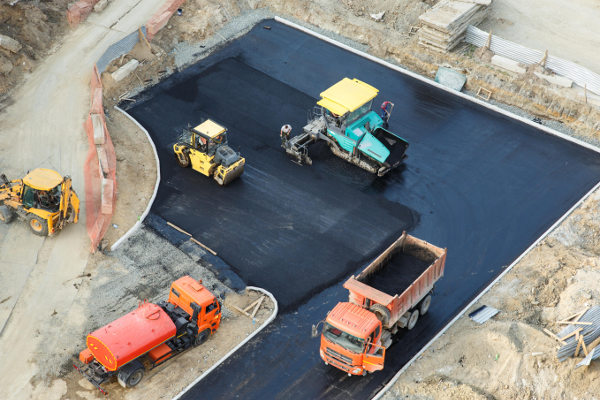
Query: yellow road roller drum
[207,152]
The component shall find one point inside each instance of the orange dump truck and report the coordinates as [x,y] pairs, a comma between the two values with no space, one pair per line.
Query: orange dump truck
[357,333]
[151,334]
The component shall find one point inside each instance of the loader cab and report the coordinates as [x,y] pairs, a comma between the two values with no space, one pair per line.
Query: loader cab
[42,189]
[208,136]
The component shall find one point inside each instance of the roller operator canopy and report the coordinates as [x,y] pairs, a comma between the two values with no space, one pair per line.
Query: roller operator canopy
[43,179]
[209,129]
[347,95]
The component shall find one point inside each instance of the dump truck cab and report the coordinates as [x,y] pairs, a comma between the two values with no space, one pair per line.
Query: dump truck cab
[351,340]
[208,152]
[151,334]
[43,197]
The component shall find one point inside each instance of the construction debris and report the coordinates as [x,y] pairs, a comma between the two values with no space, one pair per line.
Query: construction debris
[125,70]
[483,313]
[450,78]
[445,24]
[580,337]
[9,44]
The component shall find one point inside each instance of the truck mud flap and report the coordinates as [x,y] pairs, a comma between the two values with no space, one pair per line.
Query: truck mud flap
[395,144]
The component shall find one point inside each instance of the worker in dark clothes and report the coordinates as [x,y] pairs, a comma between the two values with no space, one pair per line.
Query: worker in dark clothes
[386,112]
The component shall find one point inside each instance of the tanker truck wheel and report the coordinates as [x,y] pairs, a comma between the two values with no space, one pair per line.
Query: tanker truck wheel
[131,374]
[424,305]
[382,313]
[412,321]
[202,337]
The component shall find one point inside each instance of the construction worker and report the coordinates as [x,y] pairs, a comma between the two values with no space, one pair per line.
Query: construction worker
[285,132]
[386,112]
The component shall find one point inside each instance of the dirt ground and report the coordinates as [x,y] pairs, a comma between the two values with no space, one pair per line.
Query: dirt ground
[73,295]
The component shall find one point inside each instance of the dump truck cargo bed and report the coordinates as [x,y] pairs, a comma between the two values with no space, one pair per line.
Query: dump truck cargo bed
[400,277]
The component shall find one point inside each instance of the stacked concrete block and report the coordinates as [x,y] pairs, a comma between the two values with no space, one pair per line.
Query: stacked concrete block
[444,25]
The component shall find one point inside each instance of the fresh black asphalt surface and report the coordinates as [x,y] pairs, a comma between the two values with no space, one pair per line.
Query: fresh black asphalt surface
[479,183]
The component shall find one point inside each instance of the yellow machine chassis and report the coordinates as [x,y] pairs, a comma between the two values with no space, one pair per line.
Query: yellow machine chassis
[205,164]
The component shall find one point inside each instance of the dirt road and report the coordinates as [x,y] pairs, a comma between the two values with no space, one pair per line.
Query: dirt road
[567,29]
[43,127]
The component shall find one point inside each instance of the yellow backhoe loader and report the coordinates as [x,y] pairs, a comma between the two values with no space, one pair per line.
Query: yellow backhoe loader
[208,153]
[43,198]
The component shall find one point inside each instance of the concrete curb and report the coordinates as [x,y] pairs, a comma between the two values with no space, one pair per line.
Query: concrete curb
[243,342]
[491,107]
[138,224]
[437,85]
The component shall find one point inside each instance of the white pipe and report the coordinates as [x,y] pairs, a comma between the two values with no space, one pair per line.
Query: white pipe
[138,224]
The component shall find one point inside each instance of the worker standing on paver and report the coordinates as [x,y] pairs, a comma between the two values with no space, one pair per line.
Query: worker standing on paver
[285,132]
[386,112]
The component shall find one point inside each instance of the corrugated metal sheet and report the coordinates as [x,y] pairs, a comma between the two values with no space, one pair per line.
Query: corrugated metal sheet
[589,332]
[578,74]
[119,48]
[592,355]
[483,313]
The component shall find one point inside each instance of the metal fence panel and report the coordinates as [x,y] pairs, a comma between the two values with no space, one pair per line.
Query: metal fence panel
[578,74]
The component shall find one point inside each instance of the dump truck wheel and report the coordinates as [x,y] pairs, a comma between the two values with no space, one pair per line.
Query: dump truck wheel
[38,225]
[412,321]
[131,374]
[183,159]
[381,312]
[424,305]
[202,337]
[6,214]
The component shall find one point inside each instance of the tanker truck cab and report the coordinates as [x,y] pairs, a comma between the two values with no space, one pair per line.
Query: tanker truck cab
[352,340]
[151,334]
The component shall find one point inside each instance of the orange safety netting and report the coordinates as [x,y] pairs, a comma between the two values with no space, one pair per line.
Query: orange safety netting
[79,11]
[161,17]
[99,169]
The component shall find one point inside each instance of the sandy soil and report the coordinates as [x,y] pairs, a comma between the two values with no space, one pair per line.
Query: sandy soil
[136,174]
[567,29]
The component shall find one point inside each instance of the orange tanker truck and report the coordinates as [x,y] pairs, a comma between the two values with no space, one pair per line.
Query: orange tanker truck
[151,334]
[357,333]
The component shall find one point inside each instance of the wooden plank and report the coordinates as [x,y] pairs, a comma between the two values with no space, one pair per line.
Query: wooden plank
[552,335]
[211,251]
[257,306]
[247,308]
[573,323]
[241,311]
[574,333]
[592,345]
[178,228]
[578,345]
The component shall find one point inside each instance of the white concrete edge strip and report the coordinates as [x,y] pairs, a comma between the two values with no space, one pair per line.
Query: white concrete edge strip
[137,225]
[484,291]
[243,342]
[438,85]
[484,104]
